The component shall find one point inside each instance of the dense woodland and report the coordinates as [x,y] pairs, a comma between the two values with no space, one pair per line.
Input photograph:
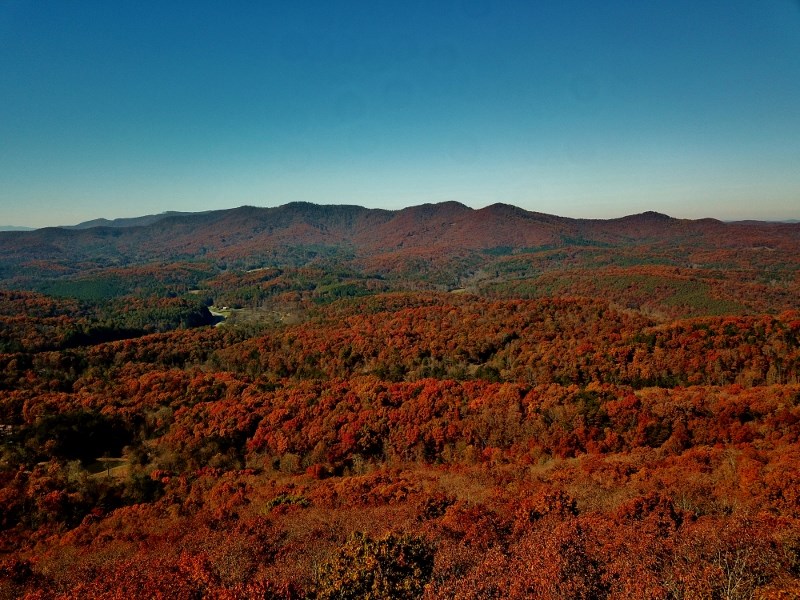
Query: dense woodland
[590,410]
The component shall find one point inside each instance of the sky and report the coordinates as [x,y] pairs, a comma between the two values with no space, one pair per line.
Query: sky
[119,108]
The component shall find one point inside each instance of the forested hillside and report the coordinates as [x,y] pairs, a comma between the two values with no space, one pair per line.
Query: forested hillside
[332,402]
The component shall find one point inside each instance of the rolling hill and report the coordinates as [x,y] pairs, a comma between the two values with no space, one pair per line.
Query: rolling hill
[441,231]
[249,256]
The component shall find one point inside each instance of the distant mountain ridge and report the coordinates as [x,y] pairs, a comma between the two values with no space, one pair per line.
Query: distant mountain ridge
[373,239]
[126,222]
[15,228]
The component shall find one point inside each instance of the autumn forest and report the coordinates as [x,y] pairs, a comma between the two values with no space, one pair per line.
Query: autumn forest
[334,402]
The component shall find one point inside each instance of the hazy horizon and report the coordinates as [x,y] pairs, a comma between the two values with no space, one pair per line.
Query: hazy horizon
[577,109]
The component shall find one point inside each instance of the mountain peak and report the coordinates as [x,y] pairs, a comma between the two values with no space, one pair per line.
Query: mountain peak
[650,215]
[501,207]
[446,205]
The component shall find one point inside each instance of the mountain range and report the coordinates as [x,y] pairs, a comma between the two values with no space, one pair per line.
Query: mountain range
[446,225]
[440,245]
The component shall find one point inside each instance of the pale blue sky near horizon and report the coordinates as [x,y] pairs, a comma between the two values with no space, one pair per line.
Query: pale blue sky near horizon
[582,109]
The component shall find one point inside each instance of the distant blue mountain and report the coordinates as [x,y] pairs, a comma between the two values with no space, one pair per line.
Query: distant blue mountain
[129,222]
[15,228]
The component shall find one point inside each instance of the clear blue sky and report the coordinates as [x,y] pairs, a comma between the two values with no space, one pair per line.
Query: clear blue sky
[584,109]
